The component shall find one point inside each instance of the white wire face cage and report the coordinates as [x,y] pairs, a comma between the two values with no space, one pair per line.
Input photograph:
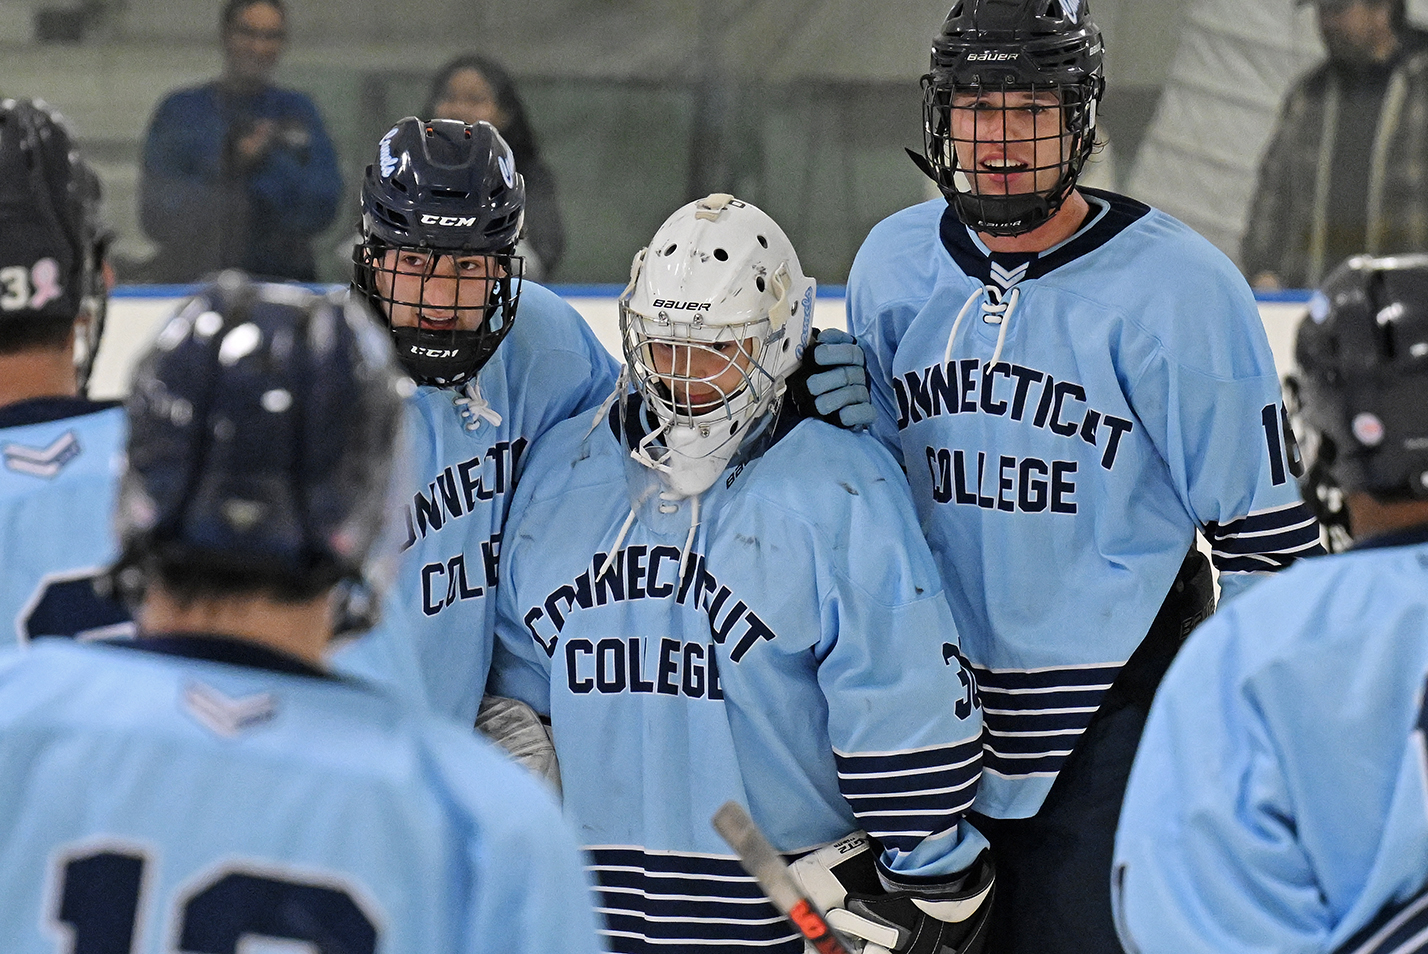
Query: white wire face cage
[710,378]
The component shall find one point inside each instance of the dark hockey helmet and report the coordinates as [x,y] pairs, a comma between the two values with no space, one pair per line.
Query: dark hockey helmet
[1362,382]
[52,240]
[1013,46]
[442,210]
[263,442]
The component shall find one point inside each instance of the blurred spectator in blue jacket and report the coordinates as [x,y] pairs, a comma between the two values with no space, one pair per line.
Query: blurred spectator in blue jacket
[474,89]
[238,172]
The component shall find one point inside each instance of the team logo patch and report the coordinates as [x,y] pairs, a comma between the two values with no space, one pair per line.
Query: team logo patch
[44,462]
[452,221]
[387,162]
[508,170]
[1368,429]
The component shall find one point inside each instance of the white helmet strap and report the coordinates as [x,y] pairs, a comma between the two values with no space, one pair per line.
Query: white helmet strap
[710,206]
[779,311]
[635,266]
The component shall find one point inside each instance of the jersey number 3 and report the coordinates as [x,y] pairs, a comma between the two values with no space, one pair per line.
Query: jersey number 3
[100,894]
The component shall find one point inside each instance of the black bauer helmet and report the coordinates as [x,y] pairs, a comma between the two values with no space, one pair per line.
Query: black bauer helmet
[264,429]
[993,48]
[1362,380]
[52,239]
[442,209]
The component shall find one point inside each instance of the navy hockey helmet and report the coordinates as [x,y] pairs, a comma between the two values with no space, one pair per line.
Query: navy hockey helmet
[1362,383]
[993,48]
[52,241]
[442,210]
[263,442]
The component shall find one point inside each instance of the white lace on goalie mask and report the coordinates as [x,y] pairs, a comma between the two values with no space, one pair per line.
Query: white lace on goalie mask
[716,316]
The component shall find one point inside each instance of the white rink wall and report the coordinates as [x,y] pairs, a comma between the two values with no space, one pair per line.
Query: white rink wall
[135,314]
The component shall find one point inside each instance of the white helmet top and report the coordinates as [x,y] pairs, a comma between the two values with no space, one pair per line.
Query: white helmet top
[716,316]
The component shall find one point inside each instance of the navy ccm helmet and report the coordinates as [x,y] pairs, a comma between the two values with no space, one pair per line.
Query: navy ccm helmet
[1362,383]
[263,440]
[441,189]
[1003,46]
[52,241]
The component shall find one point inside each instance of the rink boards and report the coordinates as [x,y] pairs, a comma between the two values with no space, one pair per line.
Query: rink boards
[136,312]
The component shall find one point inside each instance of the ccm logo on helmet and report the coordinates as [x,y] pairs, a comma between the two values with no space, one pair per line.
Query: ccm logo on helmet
[421,352]
[681,305]
[990,56]
[458,221]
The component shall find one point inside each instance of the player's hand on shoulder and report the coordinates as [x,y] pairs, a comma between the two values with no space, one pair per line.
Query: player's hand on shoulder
[842,878]
[832,382]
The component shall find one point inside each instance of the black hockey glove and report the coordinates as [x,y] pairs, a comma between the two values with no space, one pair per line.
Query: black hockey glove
[832,382]
[843,879]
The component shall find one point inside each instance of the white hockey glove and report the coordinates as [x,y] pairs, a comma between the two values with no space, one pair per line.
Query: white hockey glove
[515,727]
[842,879]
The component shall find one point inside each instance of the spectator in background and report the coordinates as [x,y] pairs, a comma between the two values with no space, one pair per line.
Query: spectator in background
[238,172]
[1347,169]
[473,89]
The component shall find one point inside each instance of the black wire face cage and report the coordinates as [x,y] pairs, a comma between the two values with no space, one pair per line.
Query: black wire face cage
[454,307]
[679,374]
[1007,156]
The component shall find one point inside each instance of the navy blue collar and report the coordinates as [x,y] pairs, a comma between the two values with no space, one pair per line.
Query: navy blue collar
[1407,537]
[1119,214]
[42,410]
[223,649]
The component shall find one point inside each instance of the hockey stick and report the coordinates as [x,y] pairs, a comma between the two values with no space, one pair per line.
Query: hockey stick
[761,860]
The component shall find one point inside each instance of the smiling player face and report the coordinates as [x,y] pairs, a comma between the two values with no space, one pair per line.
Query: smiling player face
[1009,143]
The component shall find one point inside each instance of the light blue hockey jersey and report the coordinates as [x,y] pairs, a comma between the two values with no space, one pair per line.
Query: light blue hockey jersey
[468,454]
[1133,399]
[59,466]
[804,663]
[159,802]
[1278,800]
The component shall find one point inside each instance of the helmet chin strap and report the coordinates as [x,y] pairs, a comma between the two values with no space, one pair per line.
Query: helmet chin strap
[1004,214]
[665,450]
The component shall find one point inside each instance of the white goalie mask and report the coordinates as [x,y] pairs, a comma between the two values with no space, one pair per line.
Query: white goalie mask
[716,316]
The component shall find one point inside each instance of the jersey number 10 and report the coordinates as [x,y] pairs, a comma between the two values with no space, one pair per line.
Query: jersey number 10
[100,894]
[1283,448]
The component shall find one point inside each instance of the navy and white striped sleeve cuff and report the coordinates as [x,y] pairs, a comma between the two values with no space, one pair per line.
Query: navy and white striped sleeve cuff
[904,797]
[1264,541]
